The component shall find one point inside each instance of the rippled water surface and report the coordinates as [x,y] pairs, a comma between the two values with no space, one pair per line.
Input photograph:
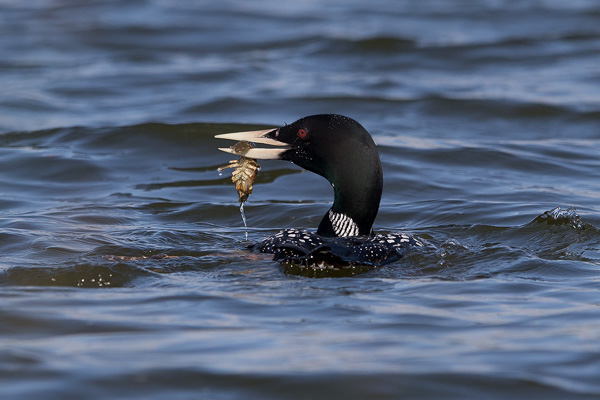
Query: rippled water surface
[123,269]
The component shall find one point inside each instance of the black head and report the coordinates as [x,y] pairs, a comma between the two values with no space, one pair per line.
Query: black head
[328,145]
[339,149]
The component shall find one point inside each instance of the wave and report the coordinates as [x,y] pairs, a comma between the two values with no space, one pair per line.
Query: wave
[556,244]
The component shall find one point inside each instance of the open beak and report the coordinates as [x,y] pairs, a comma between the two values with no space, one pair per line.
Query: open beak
[255,137]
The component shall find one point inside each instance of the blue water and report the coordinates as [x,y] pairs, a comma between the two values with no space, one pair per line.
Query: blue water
[123,269]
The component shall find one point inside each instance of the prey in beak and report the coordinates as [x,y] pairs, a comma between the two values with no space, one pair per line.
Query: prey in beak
[246,168]
[266,136]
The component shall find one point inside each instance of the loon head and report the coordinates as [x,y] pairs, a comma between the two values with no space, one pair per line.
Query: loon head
[337,148]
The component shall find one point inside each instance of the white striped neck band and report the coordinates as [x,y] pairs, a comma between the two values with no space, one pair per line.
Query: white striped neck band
[343,225]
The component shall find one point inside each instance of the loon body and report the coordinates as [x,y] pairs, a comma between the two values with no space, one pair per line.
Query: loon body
[341,150]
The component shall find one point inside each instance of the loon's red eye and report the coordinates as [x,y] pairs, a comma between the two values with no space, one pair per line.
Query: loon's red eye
[302,134]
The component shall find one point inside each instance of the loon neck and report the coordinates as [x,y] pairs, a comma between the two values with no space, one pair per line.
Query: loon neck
[357,193]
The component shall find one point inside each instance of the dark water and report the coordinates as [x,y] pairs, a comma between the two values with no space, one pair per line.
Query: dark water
[123,272]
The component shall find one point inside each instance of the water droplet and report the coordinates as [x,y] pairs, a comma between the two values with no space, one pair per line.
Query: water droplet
[244,219]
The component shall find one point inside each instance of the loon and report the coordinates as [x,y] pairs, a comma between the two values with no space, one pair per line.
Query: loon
[343,152]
